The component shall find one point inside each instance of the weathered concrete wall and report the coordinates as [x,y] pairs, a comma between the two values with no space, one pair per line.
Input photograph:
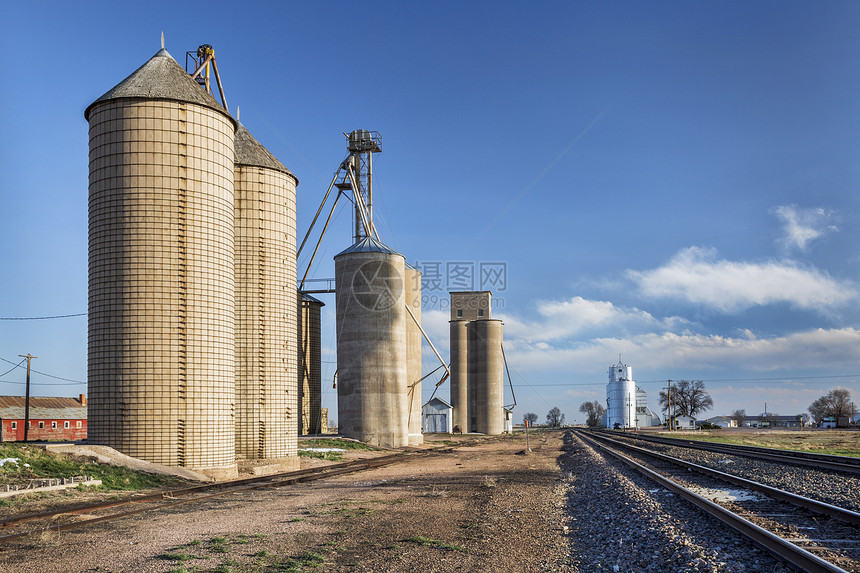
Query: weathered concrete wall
[371,346]
[412,295]
[486,375]
[460,374]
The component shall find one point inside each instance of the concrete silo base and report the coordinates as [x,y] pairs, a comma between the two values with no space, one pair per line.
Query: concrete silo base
[269,467]
[220,474]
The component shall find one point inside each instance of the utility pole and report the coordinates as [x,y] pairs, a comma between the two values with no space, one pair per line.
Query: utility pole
[669,402]
[528,447]
[29,357]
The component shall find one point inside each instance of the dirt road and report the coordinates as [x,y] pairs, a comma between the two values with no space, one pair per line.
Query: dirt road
[480,505]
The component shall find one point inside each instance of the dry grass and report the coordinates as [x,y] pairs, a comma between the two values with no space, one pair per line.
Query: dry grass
[437,491]
[489,482]
[836,442]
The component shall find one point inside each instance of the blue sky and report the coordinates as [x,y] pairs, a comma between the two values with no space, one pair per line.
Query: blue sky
[675,182]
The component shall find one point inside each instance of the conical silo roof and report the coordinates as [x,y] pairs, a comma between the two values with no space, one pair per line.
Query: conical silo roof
[160,78]
[368,245]
[251,152]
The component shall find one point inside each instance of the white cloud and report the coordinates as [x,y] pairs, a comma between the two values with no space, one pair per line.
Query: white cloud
[695,275]
[819,348]
[575,316]
[801,226]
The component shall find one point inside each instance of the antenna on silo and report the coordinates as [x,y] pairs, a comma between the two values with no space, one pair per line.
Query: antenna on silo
[162,39]
[204,62]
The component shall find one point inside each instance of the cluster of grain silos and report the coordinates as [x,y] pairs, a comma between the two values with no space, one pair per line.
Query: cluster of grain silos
[193,339]
[477,362]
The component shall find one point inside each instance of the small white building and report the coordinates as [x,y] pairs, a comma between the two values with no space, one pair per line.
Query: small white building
[437,417]
[684,423]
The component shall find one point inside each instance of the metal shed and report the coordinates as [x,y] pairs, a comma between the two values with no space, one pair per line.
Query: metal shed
[437,417]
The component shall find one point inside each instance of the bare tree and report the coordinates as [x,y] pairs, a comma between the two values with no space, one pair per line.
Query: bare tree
[530,419]
[739,416]
[836,403]
[665,404]
[554,418]
[594,413]
[689,397]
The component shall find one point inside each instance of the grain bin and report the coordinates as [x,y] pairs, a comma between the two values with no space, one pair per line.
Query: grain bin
[412,295]
[161,357]
[310,365]
[371,344]
[266,311]
[486,375]
[459,374]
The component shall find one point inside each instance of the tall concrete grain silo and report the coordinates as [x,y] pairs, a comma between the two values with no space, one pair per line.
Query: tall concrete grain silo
[266,311]
[371,344]
[459,373]
[412,296]
[310,365]
[486,375]
[161,356]
[466,306]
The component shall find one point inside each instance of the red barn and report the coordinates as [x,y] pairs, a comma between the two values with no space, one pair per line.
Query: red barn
[50,418]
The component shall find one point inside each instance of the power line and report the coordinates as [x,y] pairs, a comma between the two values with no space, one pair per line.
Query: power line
[41,383]
[41,317]
[11,369]
[45,374]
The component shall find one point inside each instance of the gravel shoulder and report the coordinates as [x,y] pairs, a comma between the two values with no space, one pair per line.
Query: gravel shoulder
[483,504]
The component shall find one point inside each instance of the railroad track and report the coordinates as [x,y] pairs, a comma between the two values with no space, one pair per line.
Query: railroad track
[64,519]
[807,534]
[845,464]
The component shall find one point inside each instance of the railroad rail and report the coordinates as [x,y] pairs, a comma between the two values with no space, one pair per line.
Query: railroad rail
[846,464]
[170,498]
[777,538]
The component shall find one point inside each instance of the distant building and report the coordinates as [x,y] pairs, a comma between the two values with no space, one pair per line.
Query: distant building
[773,421]
[762,421]
[50,418]
[684,423]
[626,403]
[722,421]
